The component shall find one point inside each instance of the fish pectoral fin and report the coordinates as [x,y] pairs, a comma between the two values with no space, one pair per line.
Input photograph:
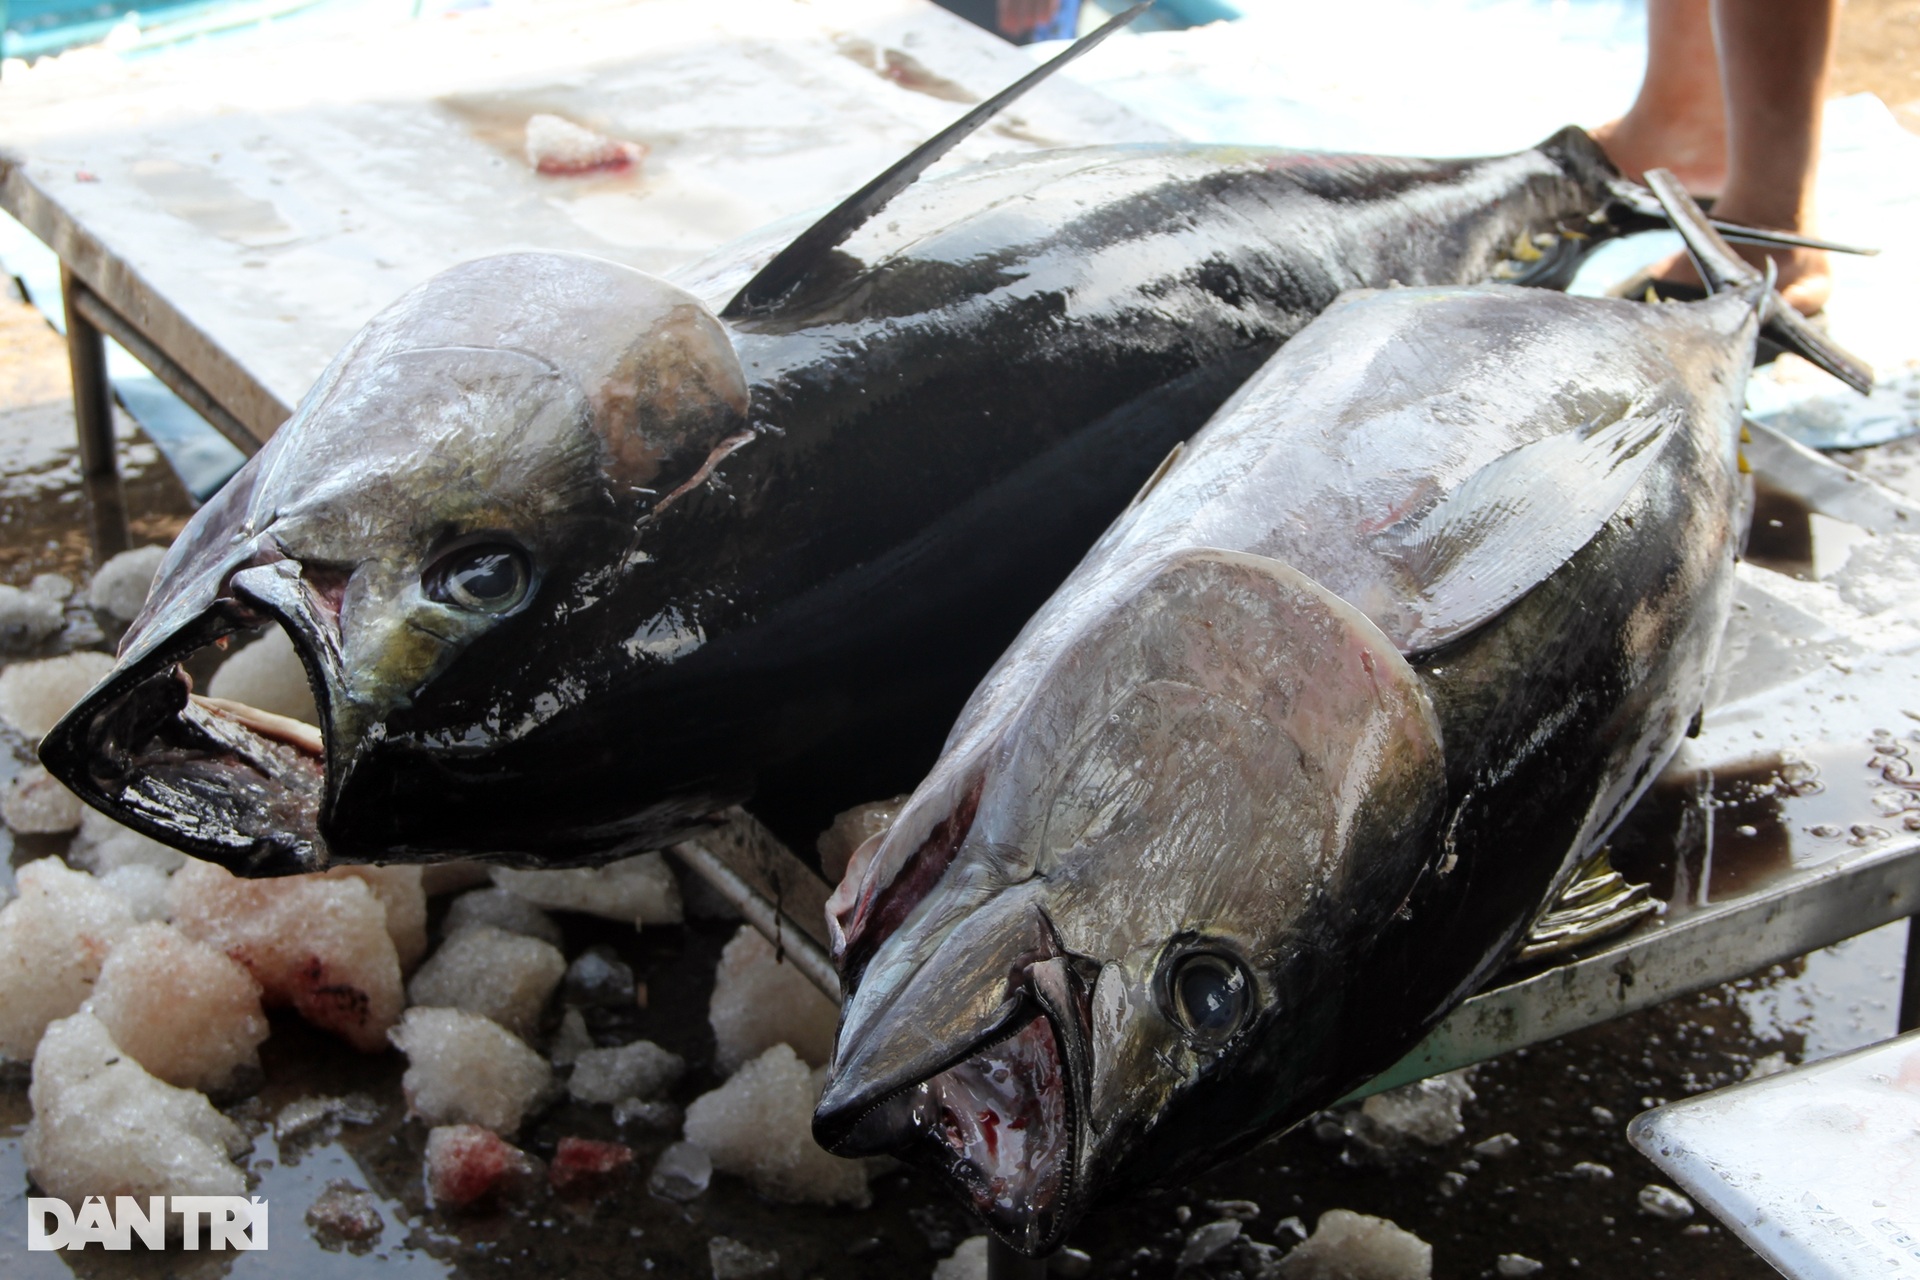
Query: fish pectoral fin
[1598,904]
[1498,535]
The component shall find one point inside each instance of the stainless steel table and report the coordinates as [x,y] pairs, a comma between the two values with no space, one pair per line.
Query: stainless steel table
[232,213]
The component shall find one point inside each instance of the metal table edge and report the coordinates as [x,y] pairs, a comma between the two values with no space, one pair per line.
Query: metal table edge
[139,304]
[1847,896]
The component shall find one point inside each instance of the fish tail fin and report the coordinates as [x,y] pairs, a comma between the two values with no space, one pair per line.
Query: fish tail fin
[1632,207]
[793,263]
[1723,269]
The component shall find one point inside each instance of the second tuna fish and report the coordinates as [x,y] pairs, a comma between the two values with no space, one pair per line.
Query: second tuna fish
[1305,744]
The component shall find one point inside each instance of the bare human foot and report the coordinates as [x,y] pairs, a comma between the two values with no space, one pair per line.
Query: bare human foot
[1774,59]
[1731,104]
[1678,120]
[1696,155]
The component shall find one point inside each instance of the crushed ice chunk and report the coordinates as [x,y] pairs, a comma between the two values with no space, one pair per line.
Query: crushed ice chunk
[317,942]
[570,1040]
[346,1215]
[507,977]
[1500,1144]
[27,618]
[1353,1246]
[466,1163]
[1291,1225]
[639,1070]
[1517,1266]
[186,1013]
[267,675]
[103,845]
[1593,1172]
[399,889]
[1206,1241]
[103,1126]
[119,588]
[581,1164]
[598,978]
[639,889]
[34,695]
[1242,1210]
[1878,574]
[38,804]
[144,888]
[732,1260]
[465,1069]
[57,587]
[53,939]
[759,1002]
[759,1125]
[1601,1116]
[852,828]
[556,146]
[1425,1112]
[682,1173]
[502,910]
[1771,1064]
[1665,1203]
[967,1262]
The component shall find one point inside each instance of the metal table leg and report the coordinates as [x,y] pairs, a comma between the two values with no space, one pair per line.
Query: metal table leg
[1910,982]
[93,421]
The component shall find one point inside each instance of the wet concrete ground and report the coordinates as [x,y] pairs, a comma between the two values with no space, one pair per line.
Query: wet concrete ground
[1566,1102]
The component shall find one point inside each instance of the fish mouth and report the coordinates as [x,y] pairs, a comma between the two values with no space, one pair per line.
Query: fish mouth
[222,780]
[997,1126]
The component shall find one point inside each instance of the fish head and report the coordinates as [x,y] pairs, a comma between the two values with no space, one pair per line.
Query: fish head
[478,465]
[1082,957]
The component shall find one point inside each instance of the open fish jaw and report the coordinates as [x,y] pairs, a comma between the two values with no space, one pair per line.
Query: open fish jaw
[999,1126]
[227,782]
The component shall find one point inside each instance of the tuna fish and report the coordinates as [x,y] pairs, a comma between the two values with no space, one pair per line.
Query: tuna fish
[1289,763]
[576,557]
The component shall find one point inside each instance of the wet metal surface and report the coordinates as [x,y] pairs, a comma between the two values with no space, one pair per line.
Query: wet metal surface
[1814,1168]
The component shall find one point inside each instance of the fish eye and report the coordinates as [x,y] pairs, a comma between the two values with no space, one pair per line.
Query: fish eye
[485,577]
[1210,996]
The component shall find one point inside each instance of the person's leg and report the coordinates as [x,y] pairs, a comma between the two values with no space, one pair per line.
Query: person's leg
[1774,59]
[1678,121]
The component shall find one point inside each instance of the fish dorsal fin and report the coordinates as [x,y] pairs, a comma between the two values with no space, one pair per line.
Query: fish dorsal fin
[793,263]
[1512,523]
